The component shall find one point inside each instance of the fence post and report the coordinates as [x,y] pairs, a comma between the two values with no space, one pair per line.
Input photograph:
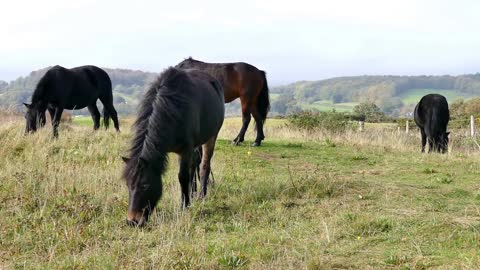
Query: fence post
[360,125]
[407,126]
[472,126]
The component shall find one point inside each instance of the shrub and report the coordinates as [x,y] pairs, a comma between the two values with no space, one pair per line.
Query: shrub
[369,112]
[332,121]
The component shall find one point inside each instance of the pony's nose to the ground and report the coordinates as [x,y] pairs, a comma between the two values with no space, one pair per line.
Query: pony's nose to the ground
[131,222]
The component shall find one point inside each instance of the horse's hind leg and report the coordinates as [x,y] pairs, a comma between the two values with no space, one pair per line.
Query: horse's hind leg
[205,169]
[95,115]
[185,177]
[259,127]
[109,111]
[246,117]
[424,139]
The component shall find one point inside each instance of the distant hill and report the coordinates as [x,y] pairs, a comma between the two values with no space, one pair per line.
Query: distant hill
[393,94]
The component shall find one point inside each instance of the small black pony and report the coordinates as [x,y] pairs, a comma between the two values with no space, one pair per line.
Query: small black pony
[431,116]
[71,89]
[182,110]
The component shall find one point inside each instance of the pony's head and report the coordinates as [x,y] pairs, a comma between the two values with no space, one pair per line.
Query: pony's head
[144,189]
[34,118]
[442,142]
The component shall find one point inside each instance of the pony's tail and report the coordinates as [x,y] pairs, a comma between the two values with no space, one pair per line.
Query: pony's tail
[106,118]
[263,102]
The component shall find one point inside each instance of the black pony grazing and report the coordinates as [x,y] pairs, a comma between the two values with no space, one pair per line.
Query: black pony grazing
[431,116]
[71,89]
[182,110]
[244,81]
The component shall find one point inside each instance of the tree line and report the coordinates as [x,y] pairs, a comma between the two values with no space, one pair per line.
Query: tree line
[383,91]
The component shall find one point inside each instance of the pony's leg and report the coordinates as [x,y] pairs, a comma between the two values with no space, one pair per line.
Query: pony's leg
[109,110]
[56,120]
[51,111]
[113,114]
[259,127]
[195,168]
[185,177]
[424,139]
[205,169]
[246,117]
[430,145]
[95,116]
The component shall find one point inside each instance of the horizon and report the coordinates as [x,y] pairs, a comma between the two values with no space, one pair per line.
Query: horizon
[308,41]
[273,84]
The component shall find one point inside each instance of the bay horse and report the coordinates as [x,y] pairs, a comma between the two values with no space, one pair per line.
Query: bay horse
[72,89]
[182,110]
[431,116]
[244,81]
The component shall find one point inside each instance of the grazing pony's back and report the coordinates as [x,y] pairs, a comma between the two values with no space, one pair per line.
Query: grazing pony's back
[182,110]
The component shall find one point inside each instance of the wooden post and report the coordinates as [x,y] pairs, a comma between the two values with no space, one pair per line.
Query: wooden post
[472,126]
[407,126]
[361,125]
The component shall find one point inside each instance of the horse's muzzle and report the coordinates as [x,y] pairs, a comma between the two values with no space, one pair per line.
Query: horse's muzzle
[137,219]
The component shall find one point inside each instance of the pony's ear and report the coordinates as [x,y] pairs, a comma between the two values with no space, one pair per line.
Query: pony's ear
[125,159]
[27,105]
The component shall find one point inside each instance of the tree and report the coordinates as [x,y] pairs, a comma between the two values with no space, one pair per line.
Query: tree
[368,111]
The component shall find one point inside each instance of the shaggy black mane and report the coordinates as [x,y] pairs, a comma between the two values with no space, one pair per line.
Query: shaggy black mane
[160,111]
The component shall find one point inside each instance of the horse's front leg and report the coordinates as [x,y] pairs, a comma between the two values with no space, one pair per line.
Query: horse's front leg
[185,177]
[56,120]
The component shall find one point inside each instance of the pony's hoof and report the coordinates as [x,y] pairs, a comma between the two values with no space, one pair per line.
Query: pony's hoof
[255,144]
[235,142]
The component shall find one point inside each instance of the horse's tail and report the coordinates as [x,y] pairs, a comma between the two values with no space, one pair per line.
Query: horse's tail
[106,118]
[263,102]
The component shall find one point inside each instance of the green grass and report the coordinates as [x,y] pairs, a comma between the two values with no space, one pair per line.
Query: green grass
[413,96]
[301,201]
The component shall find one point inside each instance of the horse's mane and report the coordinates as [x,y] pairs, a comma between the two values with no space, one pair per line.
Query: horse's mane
[160,111]
[42,85]
[39,91]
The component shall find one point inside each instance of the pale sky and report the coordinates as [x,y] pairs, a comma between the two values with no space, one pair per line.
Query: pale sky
[291,40]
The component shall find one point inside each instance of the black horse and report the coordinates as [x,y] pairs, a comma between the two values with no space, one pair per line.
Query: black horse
[182,110]
[72,89]
[244,81]
[431,116]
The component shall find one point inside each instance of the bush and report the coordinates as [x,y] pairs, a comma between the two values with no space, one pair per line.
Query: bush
[332,121]
[369,112]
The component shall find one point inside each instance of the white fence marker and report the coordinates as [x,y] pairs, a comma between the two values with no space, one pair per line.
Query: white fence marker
[472,126]
[361,125]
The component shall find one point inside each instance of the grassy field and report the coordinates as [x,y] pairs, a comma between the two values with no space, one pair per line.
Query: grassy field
[304,200]
[327,105]
[413,96]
